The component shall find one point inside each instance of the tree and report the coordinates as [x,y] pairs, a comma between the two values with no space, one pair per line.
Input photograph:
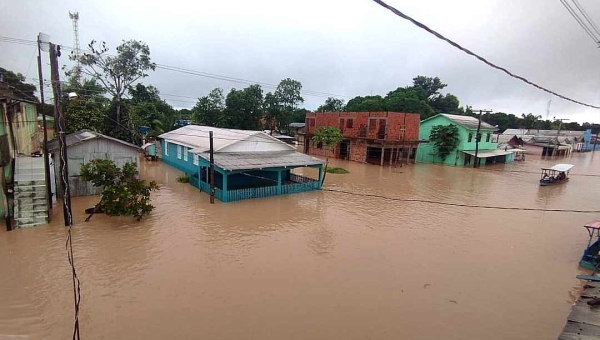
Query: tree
[299,116]
[410,100]
[368,103]
[244,108]
[88,111]
[530,120]
[431,85]
[273,111]
[288,97]
[332,105]
[117,73]
[328,135]
[209,109]
[16,82]
[445,138]
[123,194]
[151,110]
[445,104]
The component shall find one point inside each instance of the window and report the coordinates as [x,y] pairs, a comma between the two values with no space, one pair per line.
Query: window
[166,148]
[342,123]
[487,137]
[349,123]
[178,151]
[372,124]
[185,153]
[311,122]
[195,159]
[470,137]
[319,145]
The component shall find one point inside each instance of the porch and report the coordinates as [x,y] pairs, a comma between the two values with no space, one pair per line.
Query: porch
[237,186]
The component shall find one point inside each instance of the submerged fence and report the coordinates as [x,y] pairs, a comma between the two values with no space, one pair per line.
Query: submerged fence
[296,184]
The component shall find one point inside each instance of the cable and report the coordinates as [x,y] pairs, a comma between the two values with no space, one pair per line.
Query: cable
[416,200]
[586,16]
[441,37]
[579,21]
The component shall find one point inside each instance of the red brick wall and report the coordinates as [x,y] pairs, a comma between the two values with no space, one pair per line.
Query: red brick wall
[371,121]
[358,151]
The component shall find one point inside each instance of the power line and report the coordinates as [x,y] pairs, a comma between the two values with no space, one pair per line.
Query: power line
[580,21]
[456,45]
[416,200]
[586,16]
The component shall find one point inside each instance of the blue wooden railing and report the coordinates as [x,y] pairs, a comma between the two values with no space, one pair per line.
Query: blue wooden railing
[299,184]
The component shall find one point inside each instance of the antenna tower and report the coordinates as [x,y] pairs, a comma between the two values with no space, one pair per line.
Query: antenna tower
[548,109]
[75,18]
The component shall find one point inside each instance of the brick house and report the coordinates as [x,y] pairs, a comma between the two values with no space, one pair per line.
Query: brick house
[371,137]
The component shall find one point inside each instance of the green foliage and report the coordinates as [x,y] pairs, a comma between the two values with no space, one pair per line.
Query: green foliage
[17,83]
[288,97]
[123,193]
[151,110]
[328,135]
[117,73]
[368,103]
[299,115]
[244,108]
[89,110]
[445,138]
[209,110]
[332,105]
[530,121]
[185,178]
[430,85]
[334,170]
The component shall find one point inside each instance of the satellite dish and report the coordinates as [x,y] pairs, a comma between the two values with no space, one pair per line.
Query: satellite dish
[43,41]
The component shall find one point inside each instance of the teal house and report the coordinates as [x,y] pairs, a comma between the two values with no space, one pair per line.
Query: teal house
[464,154]
[248,164]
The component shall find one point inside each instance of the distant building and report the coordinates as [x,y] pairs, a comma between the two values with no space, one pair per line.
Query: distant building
[371,137]
[248,164]
[297,130]
[464,154]
[84,146]
[551,142]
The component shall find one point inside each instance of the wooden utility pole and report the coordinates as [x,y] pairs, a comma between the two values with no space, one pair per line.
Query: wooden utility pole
[45,126]
[62,144]
[478,137]
[212,168]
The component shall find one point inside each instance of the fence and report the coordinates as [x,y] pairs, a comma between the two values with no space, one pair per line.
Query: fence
[299,184]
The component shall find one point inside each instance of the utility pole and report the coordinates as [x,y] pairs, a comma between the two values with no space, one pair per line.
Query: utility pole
[212,169]
[478,137]
[62,145]
[45,126]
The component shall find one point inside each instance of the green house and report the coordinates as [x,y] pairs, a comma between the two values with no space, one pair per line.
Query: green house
[464,154]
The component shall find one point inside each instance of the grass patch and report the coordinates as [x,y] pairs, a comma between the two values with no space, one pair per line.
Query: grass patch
[183,179]
[334,170]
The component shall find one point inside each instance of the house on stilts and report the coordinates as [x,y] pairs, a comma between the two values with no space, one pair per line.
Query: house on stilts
[248,164]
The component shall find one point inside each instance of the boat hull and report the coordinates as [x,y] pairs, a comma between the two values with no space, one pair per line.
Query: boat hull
[547,183]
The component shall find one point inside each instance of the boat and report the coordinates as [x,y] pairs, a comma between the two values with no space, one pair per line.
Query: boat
[556,174]
[590,257]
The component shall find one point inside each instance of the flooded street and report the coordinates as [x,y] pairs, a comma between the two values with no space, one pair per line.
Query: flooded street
[316,265]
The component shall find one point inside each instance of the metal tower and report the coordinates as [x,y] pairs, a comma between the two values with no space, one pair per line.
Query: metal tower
[75,18]
[548,109]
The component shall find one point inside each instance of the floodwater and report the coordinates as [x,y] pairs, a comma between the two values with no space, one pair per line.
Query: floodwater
[318,265]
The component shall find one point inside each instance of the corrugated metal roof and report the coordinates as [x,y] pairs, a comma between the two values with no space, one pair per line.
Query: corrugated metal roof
[469,122]
[197,137]
[297,125]
[86,135]
[261,160]
[488,153]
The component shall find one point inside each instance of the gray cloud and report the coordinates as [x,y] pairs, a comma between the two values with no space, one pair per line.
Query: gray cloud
[347,47]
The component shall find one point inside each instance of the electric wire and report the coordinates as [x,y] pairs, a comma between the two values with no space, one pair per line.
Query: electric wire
[580,21]
[478,57]
[587,17]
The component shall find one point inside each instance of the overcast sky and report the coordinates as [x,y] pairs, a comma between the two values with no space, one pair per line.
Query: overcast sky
[344,47]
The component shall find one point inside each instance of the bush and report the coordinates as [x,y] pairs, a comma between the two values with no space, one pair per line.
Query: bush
[334,170]
[124,194]
[185,178]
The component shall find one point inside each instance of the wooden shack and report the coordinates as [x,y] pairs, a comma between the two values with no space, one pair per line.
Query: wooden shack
[84,146]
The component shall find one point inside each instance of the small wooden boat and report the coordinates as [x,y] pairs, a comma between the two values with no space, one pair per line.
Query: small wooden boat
[590,257]
[556,174]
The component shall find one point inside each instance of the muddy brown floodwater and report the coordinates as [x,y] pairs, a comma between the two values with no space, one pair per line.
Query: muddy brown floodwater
[317,265]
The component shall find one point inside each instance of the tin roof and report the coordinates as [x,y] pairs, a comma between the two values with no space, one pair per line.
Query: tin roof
[84,136]
[469,122]
[224,140]
[261,160]
[297,125]
[487,153]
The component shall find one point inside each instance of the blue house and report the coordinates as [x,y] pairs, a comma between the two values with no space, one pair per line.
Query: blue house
[248,164]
